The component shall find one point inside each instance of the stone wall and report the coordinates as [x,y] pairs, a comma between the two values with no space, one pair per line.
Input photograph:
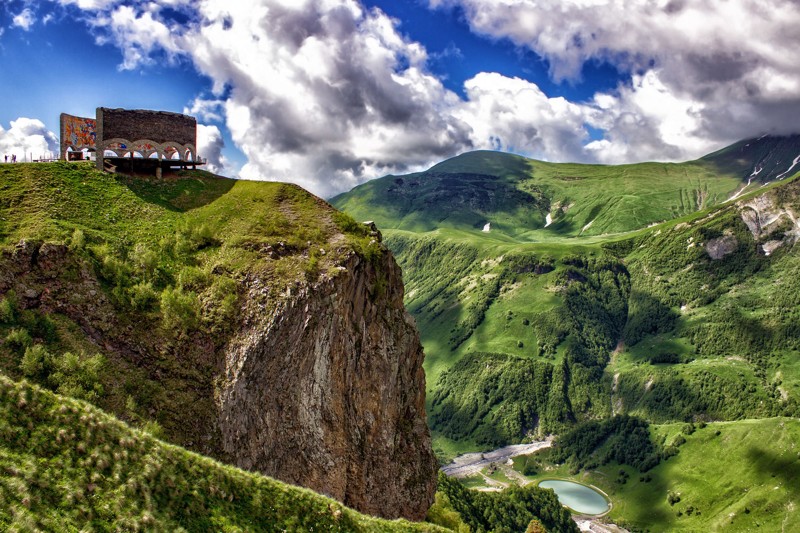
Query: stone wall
[135,124]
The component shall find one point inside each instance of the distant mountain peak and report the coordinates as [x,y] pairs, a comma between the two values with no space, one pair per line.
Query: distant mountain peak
[763,159]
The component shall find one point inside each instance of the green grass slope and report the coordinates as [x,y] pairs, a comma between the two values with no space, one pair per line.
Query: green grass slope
[138,281]
[67,466]
[726,476]
[516,195]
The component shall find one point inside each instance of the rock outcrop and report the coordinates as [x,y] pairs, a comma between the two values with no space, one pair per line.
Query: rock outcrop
[326,390]
[321,386]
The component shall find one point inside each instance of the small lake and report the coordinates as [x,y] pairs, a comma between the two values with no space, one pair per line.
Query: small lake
[577,497]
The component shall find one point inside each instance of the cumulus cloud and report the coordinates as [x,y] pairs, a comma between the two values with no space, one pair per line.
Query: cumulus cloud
[324,93]
[328,93]
[514,115]
[701,72]
[27,137]
[209,147]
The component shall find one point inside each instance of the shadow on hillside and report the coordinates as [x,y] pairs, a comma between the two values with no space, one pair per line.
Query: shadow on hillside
[787,469]
[179,191]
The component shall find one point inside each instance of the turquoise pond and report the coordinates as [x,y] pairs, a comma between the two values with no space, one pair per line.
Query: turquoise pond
[579,498]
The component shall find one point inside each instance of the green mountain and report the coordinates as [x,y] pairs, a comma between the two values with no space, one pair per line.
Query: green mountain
[516,195]
[663,291]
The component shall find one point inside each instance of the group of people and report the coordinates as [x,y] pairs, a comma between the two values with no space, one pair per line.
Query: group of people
[13,158]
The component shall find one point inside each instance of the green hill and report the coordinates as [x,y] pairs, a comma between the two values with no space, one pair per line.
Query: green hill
[196,307]
[147,274]
[68,466]
[515,195]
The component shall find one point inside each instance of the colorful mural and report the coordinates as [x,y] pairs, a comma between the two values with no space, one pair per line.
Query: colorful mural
[78,132]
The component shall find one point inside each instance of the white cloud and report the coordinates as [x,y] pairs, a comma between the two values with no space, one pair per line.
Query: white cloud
[511,114]
[303,109]
[702,72]
[210,110]
[327,93]
[25,19]
[209,147]
[27,138]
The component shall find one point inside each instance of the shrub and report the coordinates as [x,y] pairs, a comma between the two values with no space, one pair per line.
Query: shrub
[179,309]
[153,428]
[145,260]
[71,374]
[78,240]
[219,303]
[142,296]
[39,325]
[77,376]
[193,279]
[19,339]
[9,306]
[36,362]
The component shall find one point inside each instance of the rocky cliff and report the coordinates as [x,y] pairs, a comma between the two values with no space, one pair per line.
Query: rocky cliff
[279,341]
[326,390]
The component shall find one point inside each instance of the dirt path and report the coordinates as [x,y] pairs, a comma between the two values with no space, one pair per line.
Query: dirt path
[472,463]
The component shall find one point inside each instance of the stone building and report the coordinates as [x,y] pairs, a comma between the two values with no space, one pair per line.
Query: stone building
[133,139]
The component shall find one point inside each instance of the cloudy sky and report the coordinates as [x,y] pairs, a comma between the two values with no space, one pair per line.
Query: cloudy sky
[331,93]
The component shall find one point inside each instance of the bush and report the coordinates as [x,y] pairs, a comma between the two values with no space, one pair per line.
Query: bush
[78,240]
[18,339]
[179,309]
[9,306]
[70,374]
[39,325]
[153,428]
[77,376]
[36,362]
[145,260]
[193,279]
[142,296]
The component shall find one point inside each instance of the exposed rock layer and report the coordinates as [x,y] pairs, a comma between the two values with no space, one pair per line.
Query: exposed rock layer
[321,386]
[326,390]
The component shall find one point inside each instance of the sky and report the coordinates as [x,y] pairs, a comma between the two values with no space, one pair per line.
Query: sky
[331,93]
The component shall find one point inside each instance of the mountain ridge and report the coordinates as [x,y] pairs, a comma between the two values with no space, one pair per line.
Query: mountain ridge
[531,200]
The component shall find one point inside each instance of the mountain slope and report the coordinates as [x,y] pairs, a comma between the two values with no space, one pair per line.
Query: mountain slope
[249,321]
[531,201]
[763,160]
[690,319]
[68,466]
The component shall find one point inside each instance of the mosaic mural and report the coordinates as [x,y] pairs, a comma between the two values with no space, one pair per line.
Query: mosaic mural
[78,132]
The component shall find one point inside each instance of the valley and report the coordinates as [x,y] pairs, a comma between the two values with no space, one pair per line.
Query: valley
[667,293]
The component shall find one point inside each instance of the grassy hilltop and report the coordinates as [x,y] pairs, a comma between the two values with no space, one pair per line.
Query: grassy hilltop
[169,257]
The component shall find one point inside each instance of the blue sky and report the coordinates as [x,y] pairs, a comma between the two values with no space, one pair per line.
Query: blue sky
[331,93]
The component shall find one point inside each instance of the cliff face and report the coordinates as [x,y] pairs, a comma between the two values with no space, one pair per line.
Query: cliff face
[247,321]
[321,385]
[326,390]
